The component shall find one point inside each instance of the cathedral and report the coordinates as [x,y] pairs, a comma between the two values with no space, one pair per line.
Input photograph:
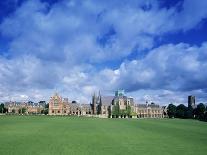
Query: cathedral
[117,106]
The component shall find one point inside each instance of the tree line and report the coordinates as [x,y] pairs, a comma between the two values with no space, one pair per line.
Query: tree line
[181,111]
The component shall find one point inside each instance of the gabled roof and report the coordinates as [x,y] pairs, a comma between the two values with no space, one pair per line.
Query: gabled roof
[107,100]
[147,105]
[86,105]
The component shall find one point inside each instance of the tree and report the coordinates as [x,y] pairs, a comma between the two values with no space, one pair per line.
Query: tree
[122,113]
[181,111]
[171,110]
[129,110]
[116,110]
[46,109]
[46,106]
[2,108]
[22,110]
[189,113]
[13,111]
[205,116]
[200,111]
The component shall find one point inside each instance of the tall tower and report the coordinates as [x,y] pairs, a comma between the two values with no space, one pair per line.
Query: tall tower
[191,101]
[99,108]
[94,102]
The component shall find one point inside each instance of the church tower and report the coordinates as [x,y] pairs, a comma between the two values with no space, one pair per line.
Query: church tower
[94,102]
[99,109]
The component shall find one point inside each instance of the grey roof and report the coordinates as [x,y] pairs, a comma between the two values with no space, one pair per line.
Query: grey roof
[120,97]
[153,105]
[86,105]
[141,105]
[74,105]
[147,105]
[107,100]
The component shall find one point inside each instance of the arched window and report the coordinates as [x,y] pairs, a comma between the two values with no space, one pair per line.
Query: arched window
[56,102]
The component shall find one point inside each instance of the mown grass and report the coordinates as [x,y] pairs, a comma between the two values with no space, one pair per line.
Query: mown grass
[42,135]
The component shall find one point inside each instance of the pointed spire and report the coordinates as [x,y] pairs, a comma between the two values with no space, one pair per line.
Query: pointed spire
[99,93]
[94,94]
[56,92]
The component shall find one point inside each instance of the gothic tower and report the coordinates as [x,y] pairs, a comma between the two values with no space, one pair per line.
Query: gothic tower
[94,102]
[99,109]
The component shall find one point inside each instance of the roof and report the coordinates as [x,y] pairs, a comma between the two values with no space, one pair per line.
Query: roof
[74,105]
[141,105]
[107,100]
[147,105]
[86,105]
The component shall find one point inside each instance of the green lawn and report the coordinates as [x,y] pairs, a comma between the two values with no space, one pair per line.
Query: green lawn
[42,135]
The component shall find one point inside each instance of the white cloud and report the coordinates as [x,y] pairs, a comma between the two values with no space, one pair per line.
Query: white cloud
[60,47]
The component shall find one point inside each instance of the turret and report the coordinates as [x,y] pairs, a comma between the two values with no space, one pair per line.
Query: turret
[94,101]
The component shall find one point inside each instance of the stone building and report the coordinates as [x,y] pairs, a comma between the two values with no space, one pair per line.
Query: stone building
[59,106]
[149,111]
[24,107]
[104,106]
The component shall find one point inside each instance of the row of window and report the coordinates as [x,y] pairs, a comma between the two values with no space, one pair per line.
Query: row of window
[145,111]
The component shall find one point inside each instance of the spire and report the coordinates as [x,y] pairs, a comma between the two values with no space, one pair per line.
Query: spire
[99,93]
[56,92]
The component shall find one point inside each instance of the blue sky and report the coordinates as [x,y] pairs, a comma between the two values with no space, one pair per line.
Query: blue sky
[155,50]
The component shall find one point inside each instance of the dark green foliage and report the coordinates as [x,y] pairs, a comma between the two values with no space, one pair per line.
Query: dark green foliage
[181,111]
[123,113]
[129,110]
[171,110]
[189,113]
[22,110]
[200,111]
[13,111]
[116,110]
[205,116]
[2,108]
[47,106]
[45,110]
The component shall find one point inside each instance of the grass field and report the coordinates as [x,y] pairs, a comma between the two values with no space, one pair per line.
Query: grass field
[42,135]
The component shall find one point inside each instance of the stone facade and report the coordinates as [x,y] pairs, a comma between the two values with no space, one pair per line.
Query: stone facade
[29,108]
[101,106]
[149,111]
[105,106]
[59,106]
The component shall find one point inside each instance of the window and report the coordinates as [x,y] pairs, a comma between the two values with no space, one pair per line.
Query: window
[56,102]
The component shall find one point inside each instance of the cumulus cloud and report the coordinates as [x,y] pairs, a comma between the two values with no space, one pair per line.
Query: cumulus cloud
[92,31]
[172,67]
[59,47]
